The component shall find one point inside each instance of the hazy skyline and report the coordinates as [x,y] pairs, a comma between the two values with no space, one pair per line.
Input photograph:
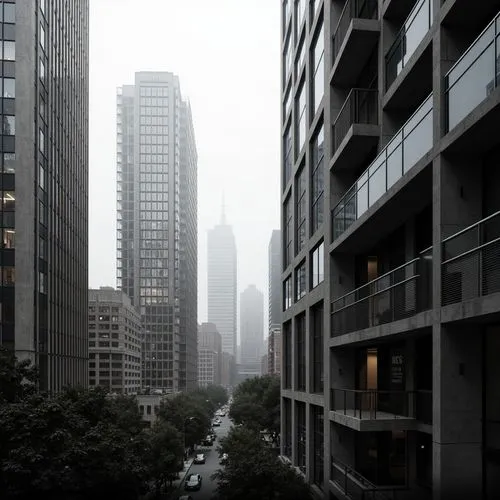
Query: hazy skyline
[226,54]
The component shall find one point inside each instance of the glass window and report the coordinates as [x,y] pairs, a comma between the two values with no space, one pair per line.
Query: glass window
[9,125]
[301,209]
[42,70]
[287,293]
[300,349]
[317,180]
[301,120]
[9,87]
[42,282]
[300,11]
[288,59]
[288,236]
[9,162]
[9,13]
[42,36]
[287,158]
[319,72]
[318,265]
[8,275]
[41,141]
[9,51]
[300,281]
[9,238]
[9,201]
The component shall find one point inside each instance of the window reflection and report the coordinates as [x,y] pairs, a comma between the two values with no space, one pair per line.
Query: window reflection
[9,125]
[9,238]
[8,275]
[9,87]
[9,201]
[9,160]
[9,51]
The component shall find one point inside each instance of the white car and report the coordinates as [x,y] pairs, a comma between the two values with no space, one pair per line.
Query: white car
[193,482]
[223,458]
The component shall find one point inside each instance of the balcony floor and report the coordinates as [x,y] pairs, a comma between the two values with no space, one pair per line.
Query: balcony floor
[383,422]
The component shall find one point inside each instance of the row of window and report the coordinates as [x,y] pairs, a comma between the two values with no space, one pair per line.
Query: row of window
[153,111]
[154,139]
[153,120]
[317,275]
[153,91]
[154,101]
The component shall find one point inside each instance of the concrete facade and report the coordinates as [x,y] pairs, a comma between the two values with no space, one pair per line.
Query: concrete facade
[274,351]
[44,169]
[390,271]
[115,339]
[157,225]
[209,355]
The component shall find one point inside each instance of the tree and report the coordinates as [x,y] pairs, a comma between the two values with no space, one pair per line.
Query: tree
[253,472]
[256,404]
[165,453]
[17,378]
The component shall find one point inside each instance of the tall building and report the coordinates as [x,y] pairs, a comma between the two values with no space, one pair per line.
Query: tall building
[44,164]
[209,355]
[115,337]
[390,222]
[156,226]
[274,351]
[251,332]
[222,283]
[274,273]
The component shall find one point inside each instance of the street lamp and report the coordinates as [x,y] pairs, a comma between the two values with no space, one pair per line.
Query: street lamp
[186,420]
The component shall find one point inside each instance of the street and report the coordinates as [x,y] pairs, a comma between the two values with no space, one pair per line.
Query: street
[210,466]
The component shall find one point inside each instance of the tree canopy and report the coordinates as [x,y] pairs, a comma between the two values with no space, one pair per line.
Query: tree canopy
[256,404]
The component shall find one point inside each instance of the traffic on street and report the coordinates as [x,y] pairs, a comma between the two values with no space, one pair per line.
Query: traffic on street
[210,465]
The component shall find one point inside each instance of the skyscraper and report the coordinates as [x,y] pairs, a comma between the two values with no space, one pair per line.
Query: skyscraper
[274,277]
[222,276]
[251,331]
[209,355]
[391,221]
[44,163]
[156,227]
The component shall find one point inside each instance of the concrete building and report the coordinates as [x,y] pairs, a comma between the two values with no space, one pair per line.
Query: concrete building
[209,355]
[44,170]
[274,352]
[274,274]
[251,332]
[156,225]
[115,336]
[390,216]
[222,288]
[264,365]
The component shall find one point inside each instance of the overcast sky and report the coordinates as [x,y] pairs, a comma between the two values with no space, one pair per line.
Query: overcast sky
[226,54]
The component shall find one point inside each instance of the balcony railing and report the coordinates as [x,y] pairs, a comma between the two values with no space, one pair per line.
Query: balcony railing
[406,148]
[408,39]
[474,76]
[382,405]
[361,106]
[471,261]
[357,487]
[399,294]
[353,9]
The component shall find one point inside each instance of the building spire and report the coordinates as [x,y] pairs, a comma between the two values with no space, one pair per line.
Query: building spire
[223,211]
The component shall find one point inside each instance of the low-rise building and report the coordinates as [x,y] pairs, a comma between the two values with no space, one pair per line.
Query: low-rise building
[115,332]
[209,355]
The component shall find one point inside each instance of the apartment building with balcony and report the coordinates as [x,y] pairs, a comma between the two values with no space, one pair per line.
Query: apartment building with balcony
[391,247]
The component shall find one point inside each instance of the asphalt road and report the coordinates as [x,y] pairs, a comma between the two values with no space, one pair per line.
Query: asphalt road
[210,466]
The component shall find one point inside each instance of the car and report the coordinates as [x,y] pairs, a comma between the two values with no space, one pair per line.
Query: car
[208,441]
[216,423]
[185,497]
[193,482]
[223,458]
[222,414]
[199,459]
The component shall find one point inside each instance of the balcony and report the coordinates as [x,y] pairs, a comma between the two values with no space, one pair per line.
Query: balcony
[355,37]
[356,129]
[471,262]
[474,76]
[414,29]
[379,410]
[399,294]
[356,487]
[405,149]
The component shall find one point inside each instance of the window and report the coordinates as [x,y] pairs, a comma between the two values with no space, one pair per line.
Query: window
[286,109]
[301,210]
[317,349]
[9,163]
[300,414]
[317,416]
[287,355]
[9,238]
[9,87]
[287,434]
[9,201]
[42,283]
[287,293]
[318,71]
[300,11]
[300,351]
[288,236]
[9,13]
[300,281]
[288,59]
[8,275]
[300,60]
[301,114]
[287,157]
[9,51]
[318,265]
[9,125]
[317,180]
[42,36]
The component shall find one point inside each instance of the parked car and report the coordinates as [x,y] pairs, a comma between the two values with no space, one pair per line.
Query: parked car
[193,482]
[185,497]
[200,458]
[208,441]
[216,423]
[223,458]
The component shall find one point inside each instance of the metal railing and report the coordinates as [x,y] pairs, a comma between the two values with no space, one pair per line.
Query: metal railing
[398,294]
[373,404]
[405,149]
[356,486]
[474,76]
[361,106]
[413,31]
[353,9]
[471,261]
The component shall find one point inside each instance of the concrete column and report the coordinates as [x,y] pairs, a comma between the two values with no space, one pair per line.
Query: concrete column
[457,412]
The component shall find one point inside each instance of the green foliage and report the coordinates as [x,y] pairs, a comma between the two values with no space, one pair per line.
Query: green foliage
[256,404]
[253,472]
[17,378]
